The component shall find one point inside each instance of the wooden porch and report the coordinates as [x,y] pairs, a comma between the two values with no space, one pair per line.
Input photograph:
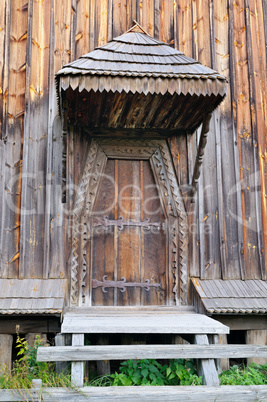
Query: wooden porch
[139,320]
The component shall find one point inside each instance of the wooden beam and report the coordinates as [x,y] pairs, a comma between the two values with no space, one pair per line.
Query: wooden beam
[243,322]
[125,352]
[30,324]
[224,393]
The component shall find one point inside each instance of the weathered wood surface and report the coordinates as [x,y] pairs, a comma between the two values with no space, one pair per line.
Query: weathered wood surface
[206,367]
[157,323]
[224,393]
[125,352]
[77,367]
[131,252]
[38,38]
[26,325]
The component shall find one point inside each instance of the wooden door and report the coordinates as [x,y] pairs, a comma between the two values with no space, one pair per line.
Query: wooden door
[128,240]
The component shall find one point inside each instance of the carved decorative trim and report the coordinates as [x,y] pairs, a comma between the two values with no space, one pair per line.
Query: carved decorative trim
[130,149]
[83,197]
[162,179]
[183,222]
[164,172]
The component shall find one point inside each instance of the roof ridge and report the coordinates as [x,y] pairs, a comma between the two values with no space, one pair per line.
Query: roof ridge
[137,28]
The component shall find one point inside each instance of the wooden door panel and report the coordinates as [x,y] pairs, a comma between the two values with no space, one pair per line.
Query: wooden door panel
[129,244]
[134,249]
[102,240]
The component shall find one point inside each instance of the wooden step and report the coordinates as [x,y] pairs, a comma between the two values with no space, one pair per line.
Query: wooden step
[142,321]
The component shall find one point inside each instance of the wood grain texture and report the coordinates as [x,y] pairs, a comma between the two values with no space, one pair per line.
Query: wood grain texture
[224,393]
[38,38]
[13,106]
[201,350]
[206,367]
[77,367]
[144,323]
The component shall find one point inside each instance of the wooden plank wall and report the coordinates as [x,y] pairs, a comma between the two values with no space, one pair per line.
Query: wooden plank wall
[38,37]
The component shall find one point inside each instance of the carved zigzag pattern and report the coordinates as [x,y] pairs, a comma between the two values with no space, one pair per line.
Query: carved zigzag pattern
[183,224]
[80,198]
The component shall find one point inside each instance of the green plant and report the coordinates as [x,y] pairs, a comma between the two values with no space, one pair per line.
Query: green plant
[139,372]
[151,372]
[26,368]
[182,372]
[253,374]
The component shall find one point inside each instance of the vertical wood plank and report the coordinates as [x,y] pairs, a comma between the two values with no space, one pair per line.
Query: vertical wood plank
[119,17]
[156,19]
[33,185]
[207,191]
[245,141]
[5,56]
[13,116]
[52,111]
[129,253]
[82,28]
[147,20]
[103,254]
[230,229]
[185,26]
[60,51]
[92,38]
[207,366]
[77,368]
[101,23]
[60,340]
[258,86]
[166,21]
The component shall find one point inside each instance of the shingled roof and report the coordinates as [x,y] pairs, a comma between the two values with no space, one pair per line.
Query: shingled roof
[32,296]
[232,296]
[135,54]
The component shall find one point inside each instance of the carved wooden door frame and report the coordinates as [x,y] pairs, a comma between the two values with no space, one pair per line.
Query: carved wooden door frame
[157,152]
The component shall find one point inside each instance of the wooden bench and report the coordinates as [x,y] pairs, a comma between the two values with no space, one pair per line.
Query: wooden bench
[200,350]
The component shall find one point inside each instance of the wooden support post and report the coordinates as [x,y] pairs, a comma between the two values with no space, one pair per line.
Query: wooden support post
[103,367]
[62,340]
[6,350]
[221,364]
[256,337]
[36,390]
[206,367]
[77,368]
[31,337]
[178,340]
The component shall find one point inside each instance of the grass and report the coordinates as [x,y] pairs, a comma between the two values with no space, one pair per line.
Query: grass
[26,368]
[131,372]
[254,374]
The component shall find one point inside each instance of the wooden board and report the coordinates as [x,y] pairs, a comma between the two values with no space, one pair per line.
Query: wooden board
[224,393]
[156,323]
[206,367]
[125,352]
